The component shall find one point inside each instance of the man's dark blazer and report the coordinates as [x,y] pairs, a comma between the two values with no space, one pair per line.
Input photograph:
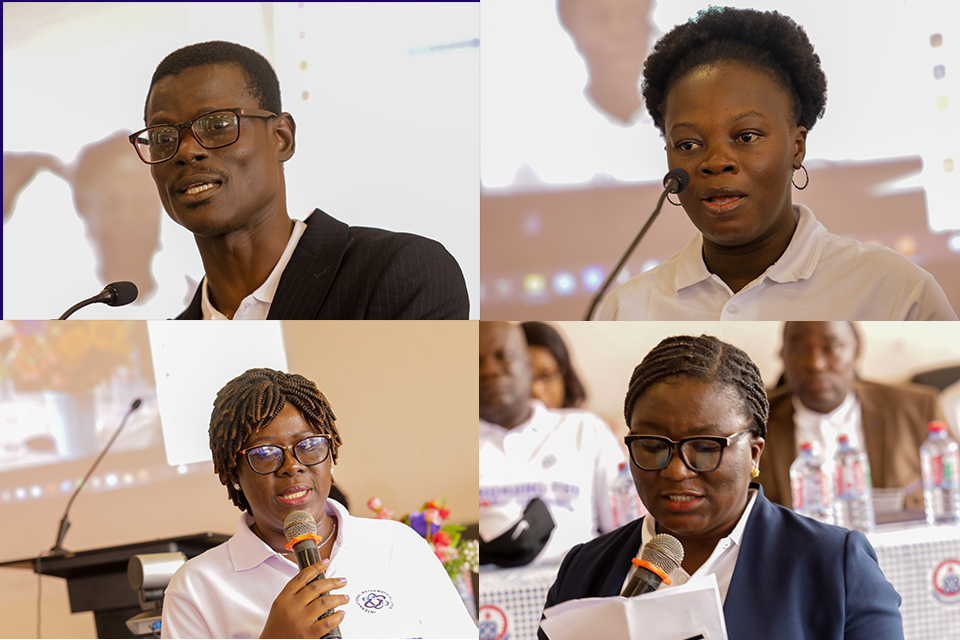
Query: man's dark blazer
[339,272]
[894,420]
[795,579]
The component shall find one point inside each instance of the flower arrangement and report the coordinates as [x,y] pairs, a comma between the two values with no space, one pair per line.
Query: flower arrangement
[458,556]
[64,356]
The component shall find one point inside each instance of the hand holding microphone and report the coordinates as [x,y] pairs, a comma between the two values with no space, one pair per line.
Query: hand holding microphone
[305,606]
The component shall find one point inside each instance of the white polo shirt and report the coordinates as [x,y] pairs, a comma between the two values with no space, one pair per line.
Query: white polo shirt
[820,276]
[566,457]
[397,586]
[256,306]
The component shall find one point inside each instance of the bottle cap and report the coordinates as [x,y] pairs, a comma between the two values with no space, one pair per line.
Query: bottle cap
[936,425]
[806,446]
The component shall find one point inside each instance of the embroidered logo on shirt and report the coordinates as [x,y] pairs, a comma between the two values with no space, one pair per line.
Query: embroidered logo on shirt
[946,582]
[374,600]
[493,623]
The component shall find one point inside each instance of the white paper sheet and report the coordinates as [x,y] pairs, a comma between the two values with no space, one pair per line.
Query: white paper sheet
[683,612]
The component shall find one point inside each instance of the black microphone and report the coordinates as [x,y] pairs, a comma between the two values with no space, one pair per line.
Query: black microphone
[674,182]
[57,549]
[115,294]
[662,555]
[301,531]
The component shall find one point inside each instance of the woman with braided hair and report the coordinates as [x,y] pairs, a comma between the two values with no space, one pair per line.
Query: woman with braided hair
[274,441]
[697,410]
[734,93]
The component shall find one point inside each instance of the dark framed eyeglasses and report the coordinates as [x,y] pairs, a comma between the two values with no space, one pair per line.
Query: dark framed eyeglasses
[268,458]
[212,130]
[700,453]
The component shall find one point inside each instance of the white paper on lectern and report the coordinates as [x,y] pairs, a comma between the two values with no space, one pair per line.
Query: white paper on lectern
[676,613]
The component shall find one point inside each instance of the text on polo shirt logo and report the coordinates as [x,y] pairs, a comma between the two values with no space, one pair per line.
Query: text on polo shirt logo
[374,600]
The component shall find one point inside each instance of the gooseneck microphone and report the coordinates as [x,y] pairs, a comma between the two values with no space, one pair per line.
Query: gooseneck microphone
[115,294]
[662,555]
[57,549]
[674,182]
[301,531]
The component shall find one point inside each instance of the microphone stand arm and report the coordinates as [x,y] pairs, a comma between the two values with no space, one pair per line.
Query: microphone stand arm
[633,245]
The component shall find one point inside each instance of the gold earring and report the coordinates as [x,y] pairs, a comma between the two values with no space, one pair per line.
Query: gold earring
[755,472]
[236,486]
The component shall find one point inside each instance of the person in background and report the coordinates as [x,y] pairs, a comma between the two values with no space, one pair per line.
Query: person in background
[823,397]
[530,455]
[950,403]
[734,93]
[274,442]
[697,413]
[555,381]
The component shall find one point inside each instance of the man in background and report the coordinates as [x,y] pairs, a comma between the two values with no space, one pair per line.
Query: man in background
[566,459]
[823,397]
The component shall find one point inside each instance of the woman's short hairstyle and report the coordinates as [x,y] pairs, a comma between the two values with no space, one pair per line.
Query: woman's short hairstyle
[540,334]
[250,402]
[764,39]
[262,82]
[706,359]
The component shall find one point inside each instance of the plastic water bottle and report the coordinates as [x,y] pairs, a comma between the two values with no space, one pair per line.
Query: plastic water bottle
[940,463]
[811,485]
[626,504]
[853,507]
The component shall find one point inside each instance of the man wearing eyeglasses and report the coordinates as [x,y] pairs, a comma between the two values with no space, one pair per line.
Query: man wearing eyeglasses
[216,140]
[566,458]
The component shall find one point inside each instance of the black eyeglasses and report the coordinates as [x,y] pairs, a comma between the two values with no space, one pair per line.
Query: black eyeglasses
[268,458]
[212,130]
[700,453]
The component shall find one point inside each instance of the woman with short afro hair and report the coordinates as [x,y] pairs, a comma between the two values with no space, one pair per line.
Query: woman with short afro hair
[734,93]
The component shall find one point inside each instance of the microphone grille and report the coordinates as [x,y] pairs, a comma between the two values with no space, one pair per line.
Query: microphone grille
[125,292]
[664,552]
[300,523]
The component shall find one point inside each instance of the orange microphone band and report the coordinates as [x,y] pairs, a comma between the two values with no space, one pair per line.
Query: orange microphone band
[652,567]
[306,536]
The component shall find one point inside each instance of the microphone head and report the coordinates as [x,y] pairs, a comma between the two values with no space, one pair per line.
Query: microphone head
[664,552]
[676,180]
[301,523]
[118,294]
[136,404]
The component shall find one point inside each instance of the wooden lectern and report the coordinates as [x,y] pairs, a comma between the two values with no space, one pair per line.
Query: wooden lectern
[97,578]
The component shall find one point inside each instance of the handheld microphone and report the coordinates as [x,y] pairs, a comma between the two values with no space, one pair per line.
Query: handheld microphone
[115,294]
[301,531]
[662,555]
[675,181]
[57,549]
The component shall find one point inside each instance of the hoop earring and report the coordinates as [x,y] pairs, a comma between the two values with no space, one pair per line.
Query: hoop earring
[805,183]
[676,204]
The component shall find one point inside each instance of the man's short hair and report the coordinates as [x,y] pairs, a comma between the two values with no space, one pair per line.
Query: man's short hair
[262,80]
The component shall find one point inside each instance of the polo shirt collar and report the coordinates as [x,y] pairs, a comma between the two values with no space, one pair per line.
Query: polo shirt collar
[798,262]
[248,551]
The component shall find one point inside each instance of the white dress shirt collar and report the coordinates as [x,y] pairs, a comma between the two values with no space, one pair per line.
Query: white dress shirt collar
[721,562]
[256,306]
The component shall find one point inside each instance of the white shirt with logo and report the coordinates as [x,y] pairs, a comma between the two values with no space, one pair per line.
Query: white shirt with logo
[566,457]
[397,586]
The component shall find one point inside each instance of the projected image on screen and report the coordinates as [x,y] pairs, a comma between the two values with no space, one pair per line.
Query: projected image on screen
[571,162]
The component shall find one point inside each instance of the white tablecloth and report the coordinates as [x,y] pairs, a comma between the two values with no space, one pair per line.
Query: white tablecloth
[922,563]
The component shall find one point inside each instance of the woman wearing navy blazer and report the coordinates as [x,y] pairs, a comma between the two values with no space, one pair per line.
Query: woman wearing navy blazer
[697,412]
